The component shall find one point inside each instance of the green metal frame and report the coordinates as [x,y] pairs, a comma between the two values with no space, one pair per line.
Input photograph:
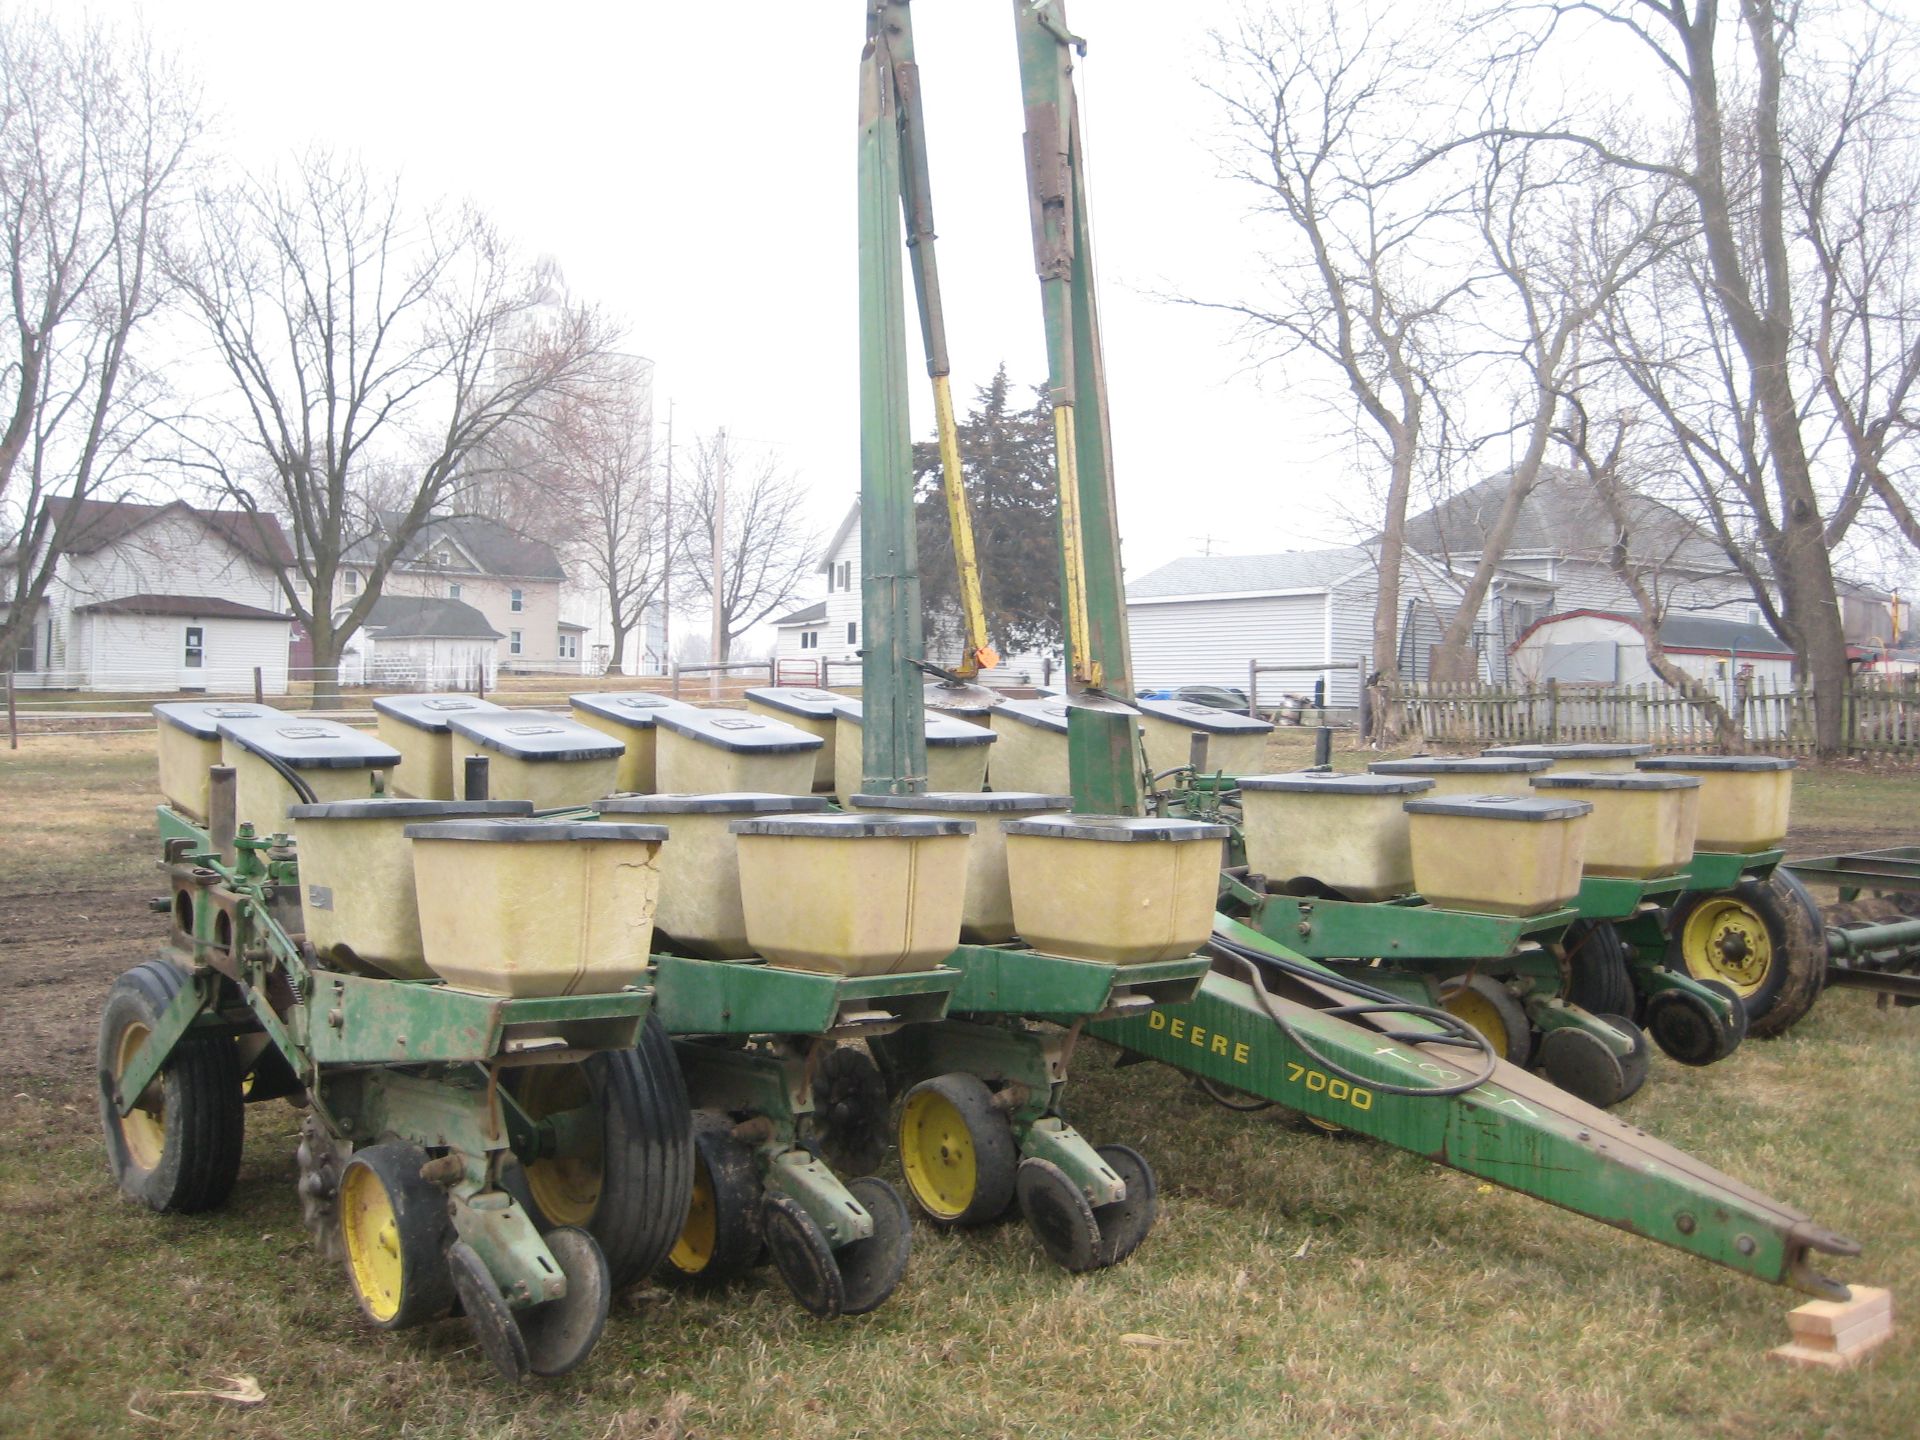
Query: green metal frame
[378,1058]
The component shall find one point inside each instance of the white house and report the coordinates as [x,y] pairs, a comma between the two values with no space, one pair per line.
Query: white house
[160,597]
[512,581]
[1202,619]
[422,643]
[828,629]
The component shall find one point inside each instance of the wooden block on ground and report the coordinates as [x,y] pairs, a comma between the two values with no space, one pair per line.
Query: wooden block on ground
[1838,1333]
[1829,1359]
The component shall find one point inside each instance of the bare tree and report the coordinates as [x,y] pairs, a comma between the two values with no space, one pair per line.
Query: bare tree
[601,462]
[95,139]
[1563,240]
[767,548]
[1738,100]
[1322,107]
[376,354]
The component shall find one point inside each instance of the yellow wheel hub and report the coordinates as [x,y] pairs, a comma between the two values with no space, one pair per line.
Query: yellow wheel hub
[1482,1014]
[692,1253]
[145,1129]
[1725,940]
[936,1152]
[566,1187]
[372,1235]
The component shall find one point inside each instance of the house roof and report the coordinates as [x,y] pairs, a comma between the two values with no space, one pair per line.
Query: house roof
[1704,632]
[1250,574]
[1700,634]
[481,546]
[420,617]
[848,522]
[810,615]
[96,524]
[1563,515]
[193,607]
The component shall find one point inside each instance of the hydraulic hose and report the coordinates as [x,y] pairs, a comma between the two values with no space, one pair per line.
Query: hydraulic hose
[1454,1031]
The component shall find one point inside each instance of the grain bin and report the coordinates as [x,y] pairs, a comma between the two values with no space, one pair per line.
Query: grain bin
[420,727]
[853,894]
[1591,759]
[331,760]
[956,753]
[1642,824]
[356,877]
[715,752]
[627,716]
[700,870]
[1348,832]
[541,756]
[1498,854]
[189,745]
[529,907]
[1236,744]
[1745,800]
[1115,888]
[804,708]
[987,916]
[1468,775]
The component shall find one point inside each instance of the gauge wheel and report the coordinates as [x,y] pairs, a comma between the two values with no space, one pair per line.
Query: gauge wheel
[721,1239]
[488,1314]
[1634,1066]
[957,1151]
[1232,1099]
[1125,1223]
[1489,1007]
[624,1169]
[1058,1214]
[1583,1066]
[394,1230]
[560,1334]
[872,1268]
[178,1150]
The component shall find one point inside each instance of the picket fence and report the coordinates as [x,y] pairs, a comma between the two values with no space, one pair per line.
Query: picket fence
[1882,716]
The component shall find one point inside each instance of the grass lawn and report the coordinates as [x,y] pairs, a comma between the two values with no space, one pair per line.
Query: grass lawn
[1297,1285]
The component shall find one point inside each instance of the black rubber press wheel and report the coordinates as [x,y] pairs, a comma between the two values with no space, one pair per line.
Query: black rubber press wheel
[721,1238]
[956,1151]
[394,1229]
[1762,939]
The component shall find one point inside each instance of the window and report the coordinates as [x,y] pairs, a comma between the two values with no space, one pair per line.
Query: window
[351,580]
[1753,615]
[569,646]
[809,639]
[830,570]
[453,590]
[518,602]
[853,632]
[846,574]
[443,556]
[196,655]
[513,642]
[26,654]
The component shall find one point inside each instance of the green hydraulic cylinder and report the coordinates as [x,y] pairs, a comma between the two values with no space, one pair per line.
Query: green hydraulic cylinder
[1103,754]
[893,729]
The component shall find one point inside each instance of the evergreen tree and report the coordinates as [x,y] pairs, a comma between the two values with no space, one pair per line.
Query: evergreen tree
[1006,464]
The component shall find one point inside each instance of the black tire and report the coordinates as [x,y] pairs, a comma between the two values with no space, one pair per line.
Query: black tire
[1634,1067]
[1777,912]
[413,1228]
[721,1238]
[1806,972]
[943,1185]
[185,1159]
[1599,980]
[646,1155]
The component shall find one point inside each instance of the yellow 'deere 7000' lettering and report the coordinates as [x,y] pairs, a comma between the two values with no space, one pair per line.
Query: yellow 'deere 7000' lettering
[1213,1042]
[1200,1038]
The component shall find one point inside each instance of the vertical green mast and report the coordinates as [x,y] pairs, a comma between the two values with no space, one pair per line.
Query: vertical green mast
[893,729]
[1104,770]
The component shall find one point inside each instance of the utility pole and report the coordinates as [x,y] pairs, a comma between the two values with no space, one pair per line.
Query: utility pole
[719,559]
[666,559]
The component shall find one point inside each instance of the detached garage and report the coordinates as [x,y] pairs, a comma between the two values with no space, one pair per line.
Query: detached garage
[1601,647]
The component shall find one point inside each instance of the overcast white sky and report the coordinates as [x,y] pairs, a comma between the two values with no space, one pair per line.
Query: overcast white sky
[692,167]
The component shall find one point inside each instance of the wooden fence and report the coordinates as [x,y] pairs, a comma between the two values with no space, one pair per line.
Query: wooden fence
[1882,716]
